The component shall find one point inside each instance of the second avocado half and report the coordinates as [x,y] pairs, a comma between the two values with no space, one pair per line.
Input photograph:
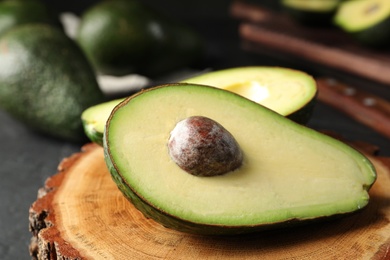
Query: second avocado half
[289,92]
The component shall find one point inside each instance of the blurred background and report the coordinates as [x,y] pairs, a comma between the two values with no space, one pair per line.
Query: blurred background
[29,158]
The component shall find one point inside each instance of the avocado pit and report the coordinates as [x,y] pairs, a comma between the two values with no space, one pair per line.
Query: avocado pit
[203,147]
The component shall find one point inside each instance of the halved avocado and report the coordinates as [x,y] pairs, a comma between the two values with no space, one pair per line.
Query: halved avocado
[289,92]
[311,12]
[94,119]
[287,172]
[368,21]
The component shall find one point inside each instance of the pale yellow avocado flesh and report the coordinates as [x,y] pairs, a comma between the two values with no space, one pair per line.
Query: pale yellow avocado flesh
[289,171]
[94,117]
[359,15]
[288,92]
[280,89]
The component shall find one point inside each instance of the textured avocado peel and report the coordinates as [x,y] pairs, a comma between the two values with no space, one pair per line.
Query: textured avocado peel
[39,87]
[121,37]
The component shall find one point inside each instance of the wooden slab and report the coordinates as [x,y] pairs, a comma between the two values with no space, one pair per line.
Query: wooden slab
[80,214]
[275,33]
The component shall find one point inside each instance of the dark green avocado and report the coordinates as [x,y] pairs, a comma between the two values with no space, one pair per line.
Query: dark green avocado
[18,12]
[367,21]
[125,36]
[46,81]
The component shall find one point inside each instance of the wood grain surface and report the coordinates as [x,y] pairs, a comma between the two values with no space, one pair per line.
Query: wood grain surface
[80,214]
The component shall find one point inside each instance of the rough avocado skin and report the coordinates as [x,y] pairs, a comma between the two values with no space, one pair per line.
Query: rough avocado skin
[122,37]
[46,81]
[19,12]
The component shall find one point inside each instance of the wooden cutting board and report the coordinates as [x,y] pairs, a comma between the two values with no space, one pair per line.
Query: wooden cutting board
[80,214]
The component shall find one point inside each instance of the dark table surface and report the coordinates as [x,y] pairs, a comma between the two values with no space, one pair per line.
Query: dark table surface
[27,158]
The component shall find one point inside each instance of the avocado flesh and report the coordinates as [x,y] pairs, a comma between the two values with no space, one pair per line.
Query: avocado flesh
[39,85]
[358,15]
[94,119]
[289,172]
[312,5]
[368,21]
[288,92]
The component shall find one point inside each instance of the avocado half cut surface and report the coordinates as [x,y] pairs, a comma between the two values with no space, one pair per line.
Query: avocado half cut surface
[291,93]
[288,173]
[368,21]
[95,117]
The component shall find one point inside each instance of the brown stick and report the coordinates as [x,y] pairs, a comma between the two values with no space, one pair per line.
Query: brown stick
[250,12]
[330,56]
[364,107]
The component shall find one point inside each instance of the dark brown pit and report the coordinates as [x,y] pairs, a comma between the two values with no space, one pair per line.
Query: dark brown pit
[203,147]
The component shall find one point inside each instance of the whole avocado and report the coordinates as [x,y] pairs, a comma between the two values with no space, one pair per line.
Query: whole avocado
[46,81]
[18,12]
[126,36]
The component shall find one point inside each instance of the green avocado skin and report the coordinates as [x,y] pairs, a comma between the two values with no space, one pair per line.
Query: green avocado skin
[126,36]
[377,35]
[94,136]
[304,114]
[46,81]
[18,12]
